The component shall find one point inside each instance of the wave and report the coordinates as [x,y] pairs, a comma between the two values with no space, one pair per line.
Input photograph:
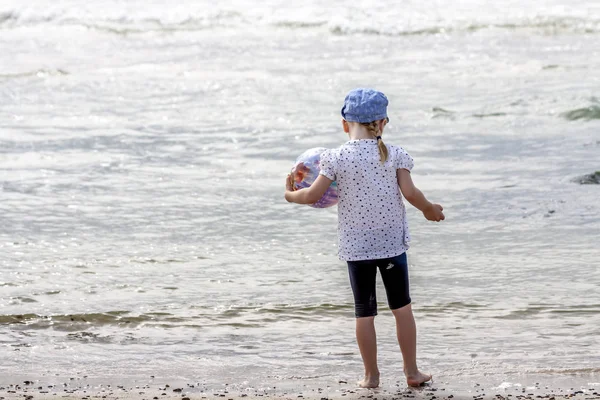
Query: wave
[568,371]
[73,321]
[290,310]
[124,25]
[487,115]
[7,16]
[40,73]
[535,310]
[439,112]
[586,113]
[127,24]
[236,316]
[543,25]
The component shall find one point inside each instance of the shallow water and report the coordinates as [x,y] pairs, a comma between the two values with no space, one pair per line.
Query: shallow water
[143,149]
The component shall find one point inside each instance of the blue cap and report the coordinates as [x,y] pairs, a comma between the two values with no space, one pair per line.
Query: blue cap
[364,105]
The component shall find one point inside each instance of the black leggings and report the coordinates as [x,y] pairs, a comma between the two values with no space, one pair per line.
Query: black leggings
[394,272]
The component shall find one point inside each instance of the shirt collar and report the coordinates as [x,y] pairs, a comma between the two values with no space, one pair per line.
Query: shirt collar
[362,141]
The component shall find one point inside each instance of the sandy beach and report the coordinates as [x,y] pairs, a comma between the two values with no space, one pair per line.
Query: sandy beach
[565,387]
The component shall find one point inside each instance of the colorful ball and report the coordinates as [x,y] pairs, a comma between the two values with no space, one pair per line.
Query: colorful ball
[305,172]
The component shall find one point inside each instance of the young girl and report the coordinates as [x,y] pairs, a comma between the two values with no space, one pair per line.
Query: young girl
[373,233]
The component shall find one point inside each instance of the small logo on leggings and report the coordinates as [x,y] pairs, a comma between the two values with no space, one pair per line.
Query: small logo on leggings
[390,266]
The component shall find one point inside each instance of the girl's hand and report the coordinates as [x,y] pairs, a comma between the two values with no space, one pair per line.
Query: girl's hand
[434,213]
[288,183]
[308,195]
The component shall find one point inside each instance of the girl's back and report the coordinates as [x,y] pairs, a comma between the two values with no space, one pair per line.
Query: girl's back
[372,217]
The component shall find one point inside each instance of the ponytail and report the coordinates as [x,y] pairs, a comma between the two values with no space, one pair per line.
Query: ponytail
[373,127]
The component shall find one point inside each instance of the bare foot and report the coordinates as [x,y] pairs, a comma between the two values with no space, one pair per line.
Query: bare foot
[418,379]
[369,382]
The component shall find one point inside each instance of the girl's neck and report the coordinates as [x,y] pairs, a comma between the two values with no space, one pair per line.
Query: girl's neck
[358,132]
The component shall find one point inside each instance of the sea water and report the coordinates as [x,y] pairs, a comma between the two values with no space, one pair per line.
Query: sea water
[143,152]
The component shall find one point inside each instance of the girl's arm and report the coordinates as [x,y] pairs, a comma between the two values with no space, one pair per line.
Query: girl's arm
[433,212]
[308,195]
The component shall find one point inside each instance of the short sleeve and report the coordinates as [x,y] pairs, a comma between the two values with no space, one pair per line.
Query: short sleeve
[327,165]
[402,159]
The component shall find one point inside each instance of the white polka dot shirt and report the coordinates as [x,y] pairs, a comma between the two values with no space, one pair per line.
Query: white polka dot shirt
[371,214]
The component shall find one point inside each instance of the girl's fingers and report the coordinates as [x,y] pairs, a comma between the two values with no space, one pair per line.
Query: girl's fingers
[289,183]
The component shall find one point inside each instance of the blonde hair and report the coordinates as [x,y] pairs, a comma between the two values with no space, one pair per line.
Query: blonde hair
[373,127]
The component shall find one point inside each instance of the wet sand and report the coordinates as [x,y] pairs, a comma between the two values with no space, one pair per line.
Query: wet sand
[555,388]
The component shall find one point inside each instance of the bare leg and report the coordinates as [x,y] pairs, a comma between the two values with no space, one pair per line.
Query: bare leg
[367,343]
[407,338]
